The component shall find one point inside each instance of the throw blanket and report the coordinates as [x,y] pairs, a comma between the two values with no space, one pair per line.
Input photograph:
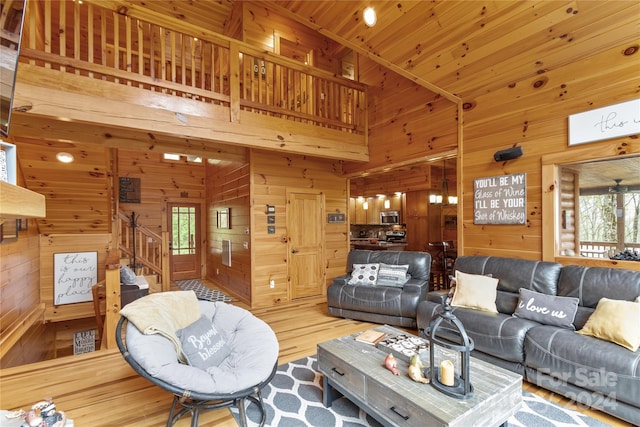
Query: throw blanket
[164,313]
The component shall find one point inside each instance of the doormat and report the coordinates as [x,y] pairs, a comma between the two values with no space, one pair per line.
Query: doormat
[202,292]
[294,398]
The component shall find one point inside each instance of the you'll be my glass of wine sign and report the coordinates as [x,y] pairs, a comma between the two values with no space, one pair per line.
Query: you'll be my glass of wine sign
[500,199]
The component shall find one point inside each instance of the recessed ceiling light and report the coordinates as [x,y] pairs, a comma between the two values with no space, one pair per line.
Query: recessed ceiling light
[64,157]
[370,17]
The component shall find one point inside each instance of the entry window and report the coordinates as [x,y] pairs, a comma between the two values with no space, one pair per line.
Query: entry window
[183,230]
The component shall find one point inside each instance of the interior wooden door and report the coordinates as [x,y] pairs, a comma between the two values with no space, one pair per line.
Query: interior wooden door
[184,243]
[305,213]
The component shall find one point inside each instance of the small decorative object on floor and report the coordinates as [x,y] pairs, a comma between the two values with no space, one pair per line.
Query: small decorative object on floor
[449,358]
[371,336]
[41,414]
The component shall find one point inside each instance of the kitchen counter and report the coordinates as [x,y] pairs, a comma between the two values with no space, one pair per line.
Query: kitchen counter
[379,246]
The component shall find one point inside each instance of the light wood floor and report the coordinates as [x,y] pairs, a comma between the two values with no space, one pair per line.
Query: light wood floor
[103,391]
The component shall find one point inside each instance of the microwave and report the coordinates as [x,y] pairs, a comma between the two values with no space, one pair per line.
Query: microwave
[389,217]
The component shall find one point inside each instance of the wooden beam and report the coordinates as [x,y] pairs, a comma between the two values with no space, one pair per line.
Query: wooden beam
[48,130]
[112,300]
[36,104]
[18,202]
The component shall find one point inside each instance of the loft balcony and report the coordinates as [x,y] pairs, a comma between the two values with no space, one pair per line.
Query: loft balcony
[90,72]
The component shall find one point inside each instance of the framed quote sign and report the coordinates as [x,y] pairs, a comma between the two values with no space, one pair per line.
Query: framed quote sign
[73,275]
[500,199]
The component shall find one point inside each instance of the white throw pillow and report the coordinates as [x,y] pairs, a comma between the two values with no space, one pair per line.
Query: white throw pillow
[475,291]
[364,274]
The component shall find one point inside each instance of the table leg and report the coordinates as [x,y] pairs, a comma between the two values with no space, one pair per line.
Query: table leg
[329,394]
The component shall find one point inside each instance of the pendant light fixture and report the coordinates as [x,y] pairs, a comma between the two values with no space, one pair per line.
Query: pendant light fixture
[443,198]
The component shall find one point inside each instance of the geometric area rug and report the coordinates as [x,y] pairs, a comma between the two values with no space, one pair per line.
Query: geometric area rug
[294,399]
[202,292]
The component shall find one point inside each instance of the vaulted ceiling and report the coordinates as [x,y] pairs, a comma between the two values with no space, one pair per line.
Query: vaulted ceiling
[464,48]
[460,49]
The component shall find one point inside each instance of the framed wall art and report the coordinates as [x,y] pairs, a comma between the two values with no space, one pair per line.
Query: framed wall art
[224,218]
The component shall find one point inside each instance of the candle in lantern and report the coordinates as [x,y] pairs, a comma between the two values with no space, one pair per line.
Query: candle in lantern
[446,373]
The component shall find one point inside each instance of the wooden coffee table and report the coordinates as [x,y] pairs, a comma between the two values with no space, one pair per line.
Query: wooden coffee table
[356,370]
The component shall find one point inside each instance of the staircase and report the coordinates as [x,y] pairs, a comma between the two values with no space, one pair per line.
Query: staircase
[140,246]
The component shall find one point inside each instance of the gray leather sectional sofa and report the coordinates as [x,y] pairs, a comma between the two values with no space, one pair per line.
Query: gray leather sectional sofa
[391,305]
[588,370]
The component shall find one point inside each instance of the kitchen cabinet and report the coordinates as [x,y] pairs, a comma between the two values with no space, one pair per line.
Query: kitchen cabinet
[371,215]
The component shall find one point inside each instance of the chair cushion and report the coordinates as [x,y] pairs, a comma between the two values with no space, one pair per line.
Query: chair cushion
[499,335]
[586,362]
[254,352]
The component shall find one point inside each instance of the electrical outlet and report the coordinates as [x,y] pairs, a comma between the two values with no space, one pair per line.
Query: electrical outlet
[272,283]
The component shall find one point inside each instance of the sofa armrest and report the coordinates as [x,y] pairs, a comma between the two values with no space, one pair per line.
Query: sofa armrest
[437,296]
[341,280]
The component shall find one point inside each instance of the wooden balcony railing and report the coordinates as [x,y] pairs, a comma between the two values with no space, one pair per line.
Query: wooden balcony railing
[98,43]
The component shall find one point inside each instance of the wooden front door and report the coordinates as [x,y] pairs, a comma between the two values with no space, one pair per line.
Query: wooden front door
[184,240]
[305,212]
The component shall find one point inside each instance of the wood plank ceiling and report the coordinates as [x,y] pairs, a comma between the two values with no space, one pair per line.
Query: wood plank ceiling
[463,48]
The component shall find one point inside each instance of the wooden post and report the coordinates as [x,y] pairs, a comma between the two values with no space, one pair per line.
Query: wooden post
[112,300]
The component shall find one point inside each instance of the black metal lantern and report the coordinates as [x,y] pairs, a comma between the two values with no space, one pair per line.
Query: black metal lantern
[450,348]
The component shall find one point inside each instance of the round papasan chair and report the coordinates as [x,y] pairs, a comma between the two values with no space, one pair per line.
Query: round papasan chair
[210,355]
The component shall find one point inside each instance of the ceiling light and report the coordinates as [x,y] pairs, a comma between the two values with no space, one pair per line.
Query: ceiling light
[64,157]
[370,17]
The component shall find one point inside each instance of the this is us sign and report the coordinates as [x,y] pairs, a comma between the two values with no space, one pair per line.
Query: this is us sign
[604,123]
[500,199]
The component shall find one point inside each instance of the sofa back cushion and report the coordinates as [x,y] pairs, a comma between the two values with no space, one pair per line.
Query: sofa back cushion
[512,274]
[419,262]
[590,284]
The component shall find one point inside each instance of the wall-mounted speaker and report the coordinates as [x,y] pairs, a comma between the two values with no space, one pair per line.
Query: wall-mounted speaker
[508,154]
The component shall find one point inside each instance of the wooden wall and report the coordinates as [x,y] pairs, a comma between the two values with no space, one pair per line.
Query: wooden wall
[272,175]
[65,243]
[77,193]
[20,297]
[532,113]
[270,32]
[228,186]
[161,181]
[408,124]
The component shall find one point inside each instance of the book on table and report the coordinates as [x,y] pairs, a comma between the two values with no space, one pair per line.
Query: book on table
[371,336]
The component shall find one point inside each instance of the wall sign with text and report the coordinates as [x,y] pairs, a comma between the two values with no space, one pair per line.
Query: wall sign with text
[605,123]
[73,275]
[500,199]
